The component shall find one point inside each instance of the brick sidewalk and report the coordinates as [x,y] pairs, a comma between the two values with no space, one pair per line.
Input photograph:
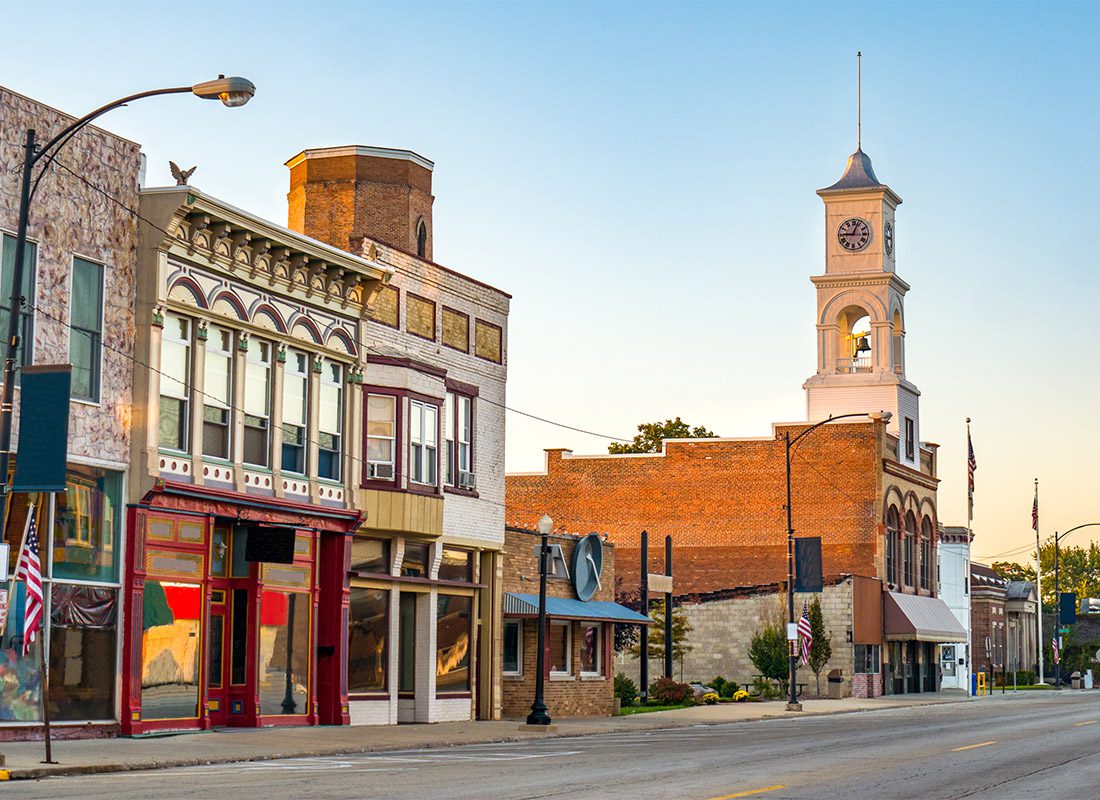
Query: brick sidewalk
[84,756]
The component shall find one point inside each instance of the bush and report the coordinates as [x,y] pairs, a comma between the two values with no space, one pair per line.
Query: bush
[725,689]
[767,689]
[1024,677]
[667,692]
[768,652]
[710,698]
[626,690]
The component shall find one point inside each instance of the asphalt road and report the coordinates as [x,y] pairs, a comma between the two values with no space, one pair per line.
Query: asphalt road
[1031,745]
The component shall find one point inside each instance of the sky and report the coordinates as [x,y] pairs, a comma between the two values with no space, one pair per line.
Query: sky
[641,177]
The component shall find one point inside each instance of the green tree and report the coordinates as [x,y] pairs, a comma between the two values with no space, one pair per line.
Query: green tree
[821,650]
[1011,571]
[651,434]
[680,630]
[768,652]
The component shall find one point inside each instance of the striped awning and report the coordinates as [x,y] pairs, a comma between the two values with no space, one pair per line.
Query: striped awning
[527,605]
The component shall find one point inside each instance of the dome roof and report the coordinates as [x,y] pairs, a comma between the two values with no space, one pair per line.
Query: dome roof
[857,175]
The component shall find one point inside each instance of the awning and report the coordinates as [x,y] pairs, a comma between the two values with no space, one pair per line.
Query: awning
[527,605]
[910,617]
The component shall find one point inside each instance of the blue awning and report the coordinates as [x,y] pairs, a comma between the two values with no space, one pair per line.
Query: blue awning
[527,605]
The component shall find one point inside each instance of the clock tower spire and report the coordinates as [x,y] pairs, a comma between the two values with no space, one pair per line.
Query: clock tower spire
[861,310]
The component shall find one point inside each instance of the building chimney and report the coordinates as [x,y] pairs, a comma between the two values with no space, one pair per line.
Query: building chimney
[340,194]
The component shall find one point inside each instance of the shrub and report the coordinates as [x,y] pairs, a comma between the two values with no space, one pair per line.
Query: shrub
[1024,677]
[740,696]
[723,687]
[768,652]
[767,689]
[710,698]
[626,690]
[667,692]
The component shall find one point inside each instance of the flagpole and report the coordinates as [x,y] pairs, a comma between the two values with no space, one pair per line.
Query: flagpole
[1038,577]
[969,540]
[42,639]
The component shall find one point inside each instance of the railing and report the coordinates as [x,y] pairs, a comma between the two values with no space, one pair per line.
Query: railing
[854,364]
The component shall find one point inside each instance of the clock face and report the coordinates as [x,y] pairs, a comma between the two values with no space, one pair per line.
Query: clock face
[853,234]
[888,238]
[587,566]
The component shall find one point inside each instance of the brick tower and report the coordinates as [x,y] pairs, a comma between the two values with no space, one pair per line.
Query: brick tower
[861,310]
[339,194]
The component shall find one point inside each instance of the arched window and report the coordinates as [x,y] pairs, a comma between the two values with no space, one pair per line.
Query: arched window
[854,345]
[926,576]
[910,549]
[422,239]
[892,533]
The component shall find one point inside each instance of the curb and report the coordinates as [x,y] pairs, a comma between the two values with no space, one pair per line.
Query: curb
[37,773]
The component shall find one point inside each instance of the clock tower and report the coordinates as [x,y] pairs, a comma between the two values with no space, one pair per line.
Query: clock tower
[861,310]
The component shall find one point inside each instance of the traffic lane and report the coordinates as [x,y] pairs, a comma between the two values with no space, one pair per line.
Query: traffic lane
[896,752]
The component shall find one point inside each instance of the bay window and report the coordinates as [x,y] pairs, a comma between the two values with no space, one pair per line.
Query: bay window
[329,427]
[217,390]
[295,411]
[449,476]
[175,383]
[257,404]
[423,442]
[458,432]
[381,436]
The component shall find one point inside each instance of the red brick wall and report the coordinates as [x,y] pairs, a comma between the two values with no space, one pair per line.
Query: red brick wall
[723,504]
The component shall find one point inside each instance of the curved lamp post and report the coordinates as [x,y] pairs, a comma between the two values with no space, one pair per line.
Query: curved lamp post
[232,92]
[1058,597]
[884,416]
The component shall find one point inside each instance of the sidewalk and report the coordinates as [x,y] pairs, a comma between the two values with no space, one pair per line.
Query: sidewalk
[84,756]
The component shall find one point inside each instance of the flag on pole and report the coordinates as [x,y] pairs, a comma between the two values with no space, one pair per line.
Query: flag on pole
[971,465]
[805,633]
[1035,509]
[29,570]
[1055,655]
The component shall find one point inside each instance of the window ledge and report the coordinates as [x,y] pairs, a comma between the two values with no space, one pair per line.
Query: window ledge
[512,676]
[86,402]
[585,676]
[462,492]
[561,676]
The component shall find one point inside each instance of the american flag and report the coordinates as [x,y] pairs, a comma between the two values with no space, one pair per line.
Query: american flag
[805,634]
[1054,650]
[971,465]
[1035,510]
[29,570]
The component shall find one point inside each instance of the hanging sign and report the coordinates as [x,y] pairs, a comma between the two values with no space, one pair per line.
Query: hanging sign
[792,631]
[659,583]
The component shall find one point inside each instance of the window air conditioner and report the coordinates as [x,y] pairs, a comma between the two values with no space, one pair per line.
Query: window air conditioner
[466,480]
[380,471]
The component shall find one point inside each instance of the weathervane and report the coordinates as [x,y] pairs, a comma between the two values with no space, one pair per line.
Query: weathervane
[859,99]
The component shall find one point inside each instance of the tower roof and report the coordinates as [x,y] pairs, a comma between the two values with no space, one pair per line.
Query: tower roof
[858,176]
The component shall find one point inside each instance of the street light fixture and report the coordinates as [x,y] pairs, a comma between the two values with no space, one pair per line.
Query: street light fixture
[232,92]
[538,715]
[1058,597]
[875,416]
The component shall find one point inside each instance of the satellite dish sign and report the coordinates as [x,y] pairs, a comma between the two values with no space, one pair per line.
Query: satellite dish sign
[587,566]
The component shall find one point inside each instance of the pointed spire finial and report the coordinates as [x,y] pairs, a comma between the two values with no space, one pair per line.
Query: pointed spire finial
[859,99]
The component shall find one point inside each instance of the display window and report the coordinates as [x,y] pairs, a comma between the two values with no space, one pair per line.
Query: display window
[453,633]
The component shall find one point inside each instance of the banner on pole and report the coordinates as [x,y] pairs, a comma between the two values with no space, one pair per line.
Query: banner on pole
[807,560]
[43,428]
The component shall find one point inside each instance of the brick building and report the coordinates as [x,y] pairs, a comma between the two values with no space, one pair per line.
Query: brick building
[579,633]
[866,484]
[988,596]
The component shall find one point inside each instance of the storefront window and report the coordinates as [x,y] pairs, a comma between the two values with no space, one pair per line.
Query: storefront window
[513,647]
[866,658]
[560,648]
[370,555]
[452,656]
[284,653]
[84,623]
[86,526]
[415,563]
[590,648]
[368,633]
[456,565]
[171,635]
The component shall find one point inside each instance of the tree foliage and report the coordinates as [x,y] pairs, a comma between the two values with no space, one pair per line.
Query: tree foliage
[1078,571]
[650,435]
[626,636]
[822,649]
[680,630]
[768,652]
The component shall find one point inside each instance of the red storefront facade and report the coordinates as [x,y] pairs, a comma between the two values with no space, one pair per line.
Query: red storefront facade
[218,638]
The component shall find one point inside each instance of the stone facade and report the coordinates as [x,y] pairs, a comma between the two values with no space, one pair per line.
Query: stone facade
[573,695]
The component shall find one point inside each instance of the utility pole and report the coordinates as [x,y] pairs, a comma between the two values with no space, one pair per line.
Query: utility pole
[643,676]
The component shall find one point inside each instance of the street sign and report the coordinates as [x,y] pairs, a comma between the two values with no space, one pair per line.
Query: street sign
[659,583]
[792,631]
[1064,630]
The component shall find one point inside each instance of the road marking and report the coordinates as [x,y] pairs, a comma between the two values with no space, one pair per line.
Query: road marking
[749,792]
[1086,722]
[971,746]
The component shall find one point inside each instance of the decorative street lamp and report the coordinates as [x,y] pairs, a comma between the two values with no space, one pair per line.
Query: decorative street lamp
[883,416]
[232,92]
[1058,598]
[538,715]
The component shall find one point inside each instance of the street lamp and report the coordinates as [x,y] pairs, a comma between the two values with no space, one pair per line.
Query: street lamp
[879,416]
[538,715]
[1058,597]
[232,92]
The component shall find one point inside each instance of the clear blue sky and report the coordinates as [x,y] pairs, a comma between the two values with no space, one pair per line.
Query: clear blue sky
[641,177]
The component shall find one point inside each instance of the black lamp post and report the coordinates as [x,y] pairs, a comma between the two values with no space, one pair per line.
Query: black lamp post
[231,91]
[538,715]
[1058,599]
[884,416]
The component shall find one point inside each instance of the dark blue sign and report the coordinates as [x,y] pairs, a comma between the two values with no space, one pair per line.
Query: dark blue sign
[43,428]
